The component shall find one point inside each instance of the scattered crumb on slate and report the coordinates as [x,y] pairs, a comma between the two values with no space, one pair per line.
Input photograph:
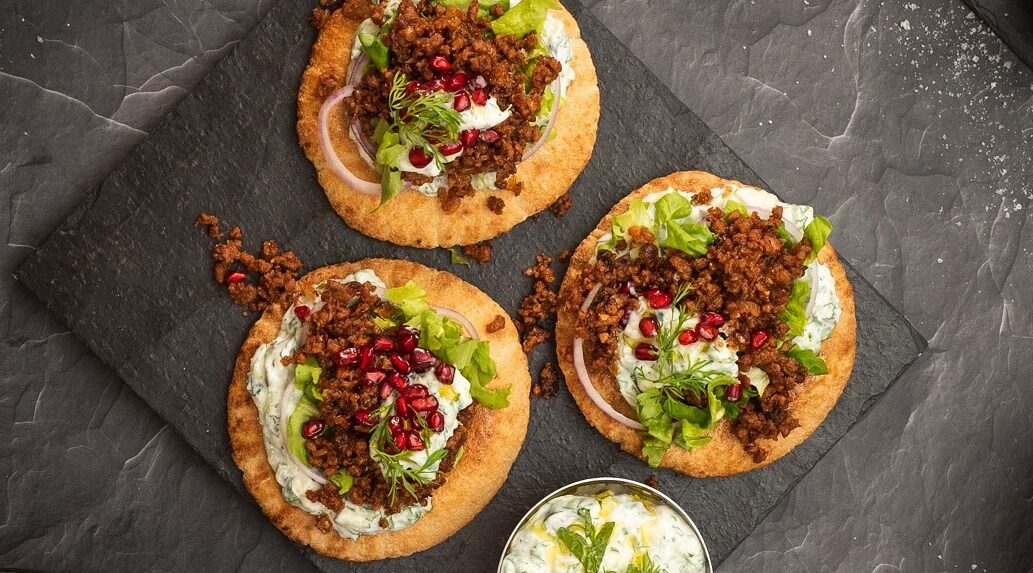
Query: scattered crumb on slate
[564,256]
[496,324]
[481,252]
[652,482]
[210,223]
[560,206]
[548,382]
[537,308]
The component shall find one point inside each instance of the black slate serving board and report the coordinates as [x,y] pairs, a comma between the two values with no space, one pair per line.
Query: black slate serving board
[130,276]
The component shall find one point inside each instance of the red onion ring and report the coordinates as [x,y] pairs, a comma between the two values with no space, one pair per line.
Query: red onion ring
[284,417]
[326,145]
[458,317]
[586,380]
[548,126]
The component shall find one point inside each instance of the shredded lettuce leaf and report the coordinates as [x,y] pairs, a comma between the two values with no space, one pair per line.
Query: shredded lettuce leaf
[732,206]
[525,17]
[374,47]
[811,362]
[411,298]
[458,258]
[795,312]
[668,222]
[305,409]
[818,232]
[306,379]
[343,480]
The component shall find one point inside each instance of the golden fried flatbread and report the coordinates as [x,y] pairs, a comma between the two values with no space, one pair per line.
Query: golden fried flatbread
[493,440]
[724,455]
[412,218]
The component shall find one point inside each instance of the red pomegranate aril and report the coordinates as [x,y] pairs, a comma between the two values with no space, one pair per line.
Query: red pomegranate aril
[396,380]
[386,388]
[706,331]
[758,339]
[648,326]
[457,82]
[479,96]
[408,338]
[373,377]
[394,424]
[411,87]
[400,364]
[422,360]
[657,298]
[311,429]
[301,311]
[478,82]
[419,158]
[489,136]
[446,373]
[733,392]
[432,86]
[401,440]
[712,318]
[235,277]
[346,357]
[450,148]
[366,418]
[436,421]
[440,64]
[416,391]
[626,317]
[424,404]
[416,442]
[402,407]
[461,103]
[365,357]
[469,137]
[687,337]
[645,351]
[626,287]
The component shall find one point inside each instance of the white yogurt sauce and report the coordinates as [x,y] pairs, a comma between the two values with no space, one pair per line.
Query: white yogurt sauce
[269,379]
[640,528]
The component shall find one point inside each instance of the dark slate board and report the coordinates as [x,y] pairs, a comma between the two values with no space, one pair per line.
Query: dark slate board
[130,276]
[1012,20]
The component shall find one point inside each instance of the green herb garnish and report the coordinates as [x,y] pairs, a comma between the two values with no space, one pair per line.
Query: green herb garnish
[458,258]
[393,466]
[644,564]
[584,542]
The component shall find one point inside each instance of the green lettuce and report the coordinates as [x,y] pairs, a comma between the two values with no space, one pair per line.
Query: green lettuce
[524,18]
[818,232]
[306,379]
[374,47]
[411,298]
[305,409]
[733,206]
[688,237]
[783,234]
[343,480]
[811,362]
[795,312]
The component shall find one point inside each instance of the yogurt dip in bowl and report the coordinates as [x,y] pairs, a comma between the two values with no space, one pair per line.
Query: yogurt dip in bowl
[603,525]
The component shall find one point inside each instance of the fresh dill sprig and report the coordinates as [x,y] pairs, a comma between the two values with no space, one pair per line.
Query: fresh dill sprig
[420,117]
[395,471]
[644,564]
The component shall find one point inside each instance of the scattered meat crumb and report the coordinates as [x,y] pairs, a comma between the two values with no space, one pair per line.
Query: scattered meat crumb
[548,382]
[496,204]
[537,308]
[481,252]
[560,206]
[210,223]
[652,482]
[496,324]
[564,256]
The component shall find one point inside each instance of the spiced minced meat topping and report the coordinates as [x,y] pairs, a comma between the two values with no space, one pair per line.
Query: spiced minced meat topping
[535,312]
[479,252]
[426,30]
[746,276]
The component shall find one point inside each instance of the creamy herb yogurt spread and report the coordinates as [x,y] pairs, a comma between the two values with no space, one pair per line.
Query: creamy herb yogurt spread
[631,535]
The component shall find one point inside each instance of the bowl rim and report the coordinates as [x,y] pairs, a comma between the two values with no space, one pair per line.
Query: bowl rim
[610,481]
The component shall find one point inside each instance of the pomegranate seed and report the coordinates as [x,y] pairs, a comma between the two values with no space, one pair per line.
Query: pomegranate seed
[235,277]
[416,442]
[712,318]
[416,391]
[408,338]
[373,377]
[400,364]
[346,357]
[450,148]
[424,404]
[478,82]
[626,287]
[432,86]
[457,82]
[301,311]
[401,440]
[687,337]
[469,137]
[436,421]
[758,339]
[733,392]
[479,96]
[419,158]
[489,136]
[446,373]
[440,64]
[366,418]
[402,407]
[385,390]
[411,88]
[625,317]
[648,326]
[657,298]
[422,360]
[645,351]
[396,380]
[365,357]
[394,423]
[706,331]
[311,429]
[461,103]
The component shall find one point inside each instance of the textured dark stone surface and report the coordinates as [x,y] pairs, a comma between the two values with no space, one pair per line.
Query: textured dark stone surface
[99,273]
[914,138]
[1013,22]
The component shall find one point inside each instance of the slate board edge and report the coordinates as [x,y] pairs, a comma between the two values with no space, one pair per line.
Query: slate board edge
[1008,39]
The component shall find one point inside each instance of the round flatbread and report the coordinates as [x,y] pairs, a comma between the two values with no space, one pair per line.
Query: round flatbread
[724,455]
[493,440]
[412,218]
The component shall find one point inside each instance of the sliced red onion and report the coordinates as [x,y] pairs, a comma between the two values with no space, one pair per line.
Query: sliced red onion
[548,126]
[327,146]
[586,380]
[284,417]
[458,317]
